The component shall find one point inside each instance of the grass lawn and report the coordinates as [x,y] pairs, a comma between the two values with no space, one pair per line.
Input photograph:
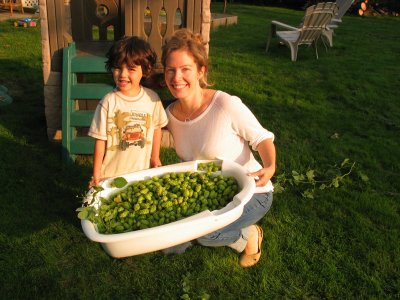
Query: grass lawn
[339,242]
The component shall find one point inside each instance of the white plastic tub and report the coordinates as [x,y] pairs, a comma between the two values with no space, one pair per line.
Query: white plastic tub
[172,234]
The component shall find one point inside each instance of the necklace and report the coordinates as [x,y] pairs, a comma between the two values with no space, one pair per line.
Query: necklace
[188,118]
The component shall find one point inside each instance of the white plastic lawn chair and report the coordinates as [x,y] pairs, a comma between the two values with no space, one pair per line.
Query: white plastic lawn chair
[316,18]
[343,7]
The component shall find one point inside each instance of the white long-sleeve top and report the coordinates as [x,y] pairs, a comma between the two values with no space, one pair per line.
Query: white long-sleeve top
[225,130]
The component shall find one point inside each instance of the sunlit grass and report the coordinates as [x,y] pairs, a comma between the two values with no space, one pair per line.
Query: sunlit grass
[342,244]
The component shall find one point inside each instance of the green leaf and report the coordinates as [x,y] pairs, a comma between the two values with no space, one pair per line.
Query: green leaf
[278,188]
[185,287]
[83,215]
[98,188]
[205,296]
[322,186]
[363,176]
[335,182]
[335,135]
[345,162]
[104,200]
[119,182]
[297,177]
[91,212]
[308,194]
[310,175]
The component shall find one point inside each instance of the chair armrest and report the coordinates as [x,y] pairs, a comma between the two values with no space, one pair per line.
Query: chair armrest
[276,23]
[334,23]
[336,20]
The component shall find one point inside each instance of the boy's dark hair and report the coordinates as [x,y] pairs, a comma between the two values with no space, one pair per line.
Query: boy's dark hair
[132,51]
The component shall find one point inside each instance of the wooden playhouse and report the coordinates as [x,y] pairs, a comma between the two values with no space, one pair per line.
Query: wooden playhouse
[75,37]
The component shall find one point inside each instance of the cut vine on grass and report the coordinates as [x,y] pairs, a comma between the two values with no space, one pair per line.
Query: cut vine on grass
[309,182]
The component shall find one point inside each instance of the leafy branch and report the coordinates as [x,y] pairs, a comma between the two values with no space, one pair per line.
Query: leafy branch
[88,211]
[188,294]
[311,181]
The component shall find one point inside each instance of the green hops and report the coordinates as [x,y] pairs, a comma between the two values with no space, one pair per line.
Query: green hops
[165,198]
[209,167]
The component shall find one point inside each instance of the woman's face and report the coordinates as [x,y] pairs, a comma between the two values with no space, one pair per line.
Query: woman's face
[182,75]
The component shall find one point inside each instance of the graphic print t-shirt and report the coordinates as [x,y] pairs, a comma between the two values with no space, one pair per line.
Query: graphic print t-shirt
[127,124]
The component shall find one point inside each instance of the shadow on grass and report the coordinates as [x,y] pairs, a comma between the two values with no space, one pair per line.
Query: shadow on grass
[37,188]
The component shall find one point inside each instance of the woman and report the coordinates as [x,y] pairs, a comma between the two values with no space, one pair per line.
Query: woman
[209,124]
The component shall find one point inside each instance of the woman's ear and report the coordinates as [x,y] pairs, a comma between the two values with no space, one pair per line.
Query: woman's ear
[201,72]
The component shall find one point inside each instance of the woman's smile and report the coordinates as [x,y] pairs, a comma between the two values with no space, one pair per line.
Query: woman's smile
[179,86]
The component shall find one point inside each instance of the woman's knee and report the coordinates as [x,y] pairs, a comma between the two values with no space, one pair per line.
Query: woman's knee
[258,205]
[209,240]
[219,238]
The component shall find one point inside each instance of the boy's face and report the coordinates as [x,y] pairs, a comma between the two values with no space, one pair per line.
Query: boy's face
[127,79]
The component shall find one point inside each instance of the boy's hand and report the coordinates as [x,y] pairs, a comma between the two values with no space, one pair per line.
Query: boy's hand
[93,182]
[155,162]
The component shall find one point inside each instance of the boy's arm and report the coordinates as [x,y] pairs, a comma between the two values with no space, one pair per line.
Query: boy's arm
[98,156]
[155,152]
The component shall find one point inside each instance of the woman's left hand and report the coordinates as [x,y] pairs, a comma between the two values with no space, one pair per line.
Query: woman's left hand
[263,175]
[266,149]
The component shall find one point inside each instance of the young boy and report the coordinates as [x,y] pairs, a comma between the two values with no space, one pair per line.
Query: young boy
[127,122]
